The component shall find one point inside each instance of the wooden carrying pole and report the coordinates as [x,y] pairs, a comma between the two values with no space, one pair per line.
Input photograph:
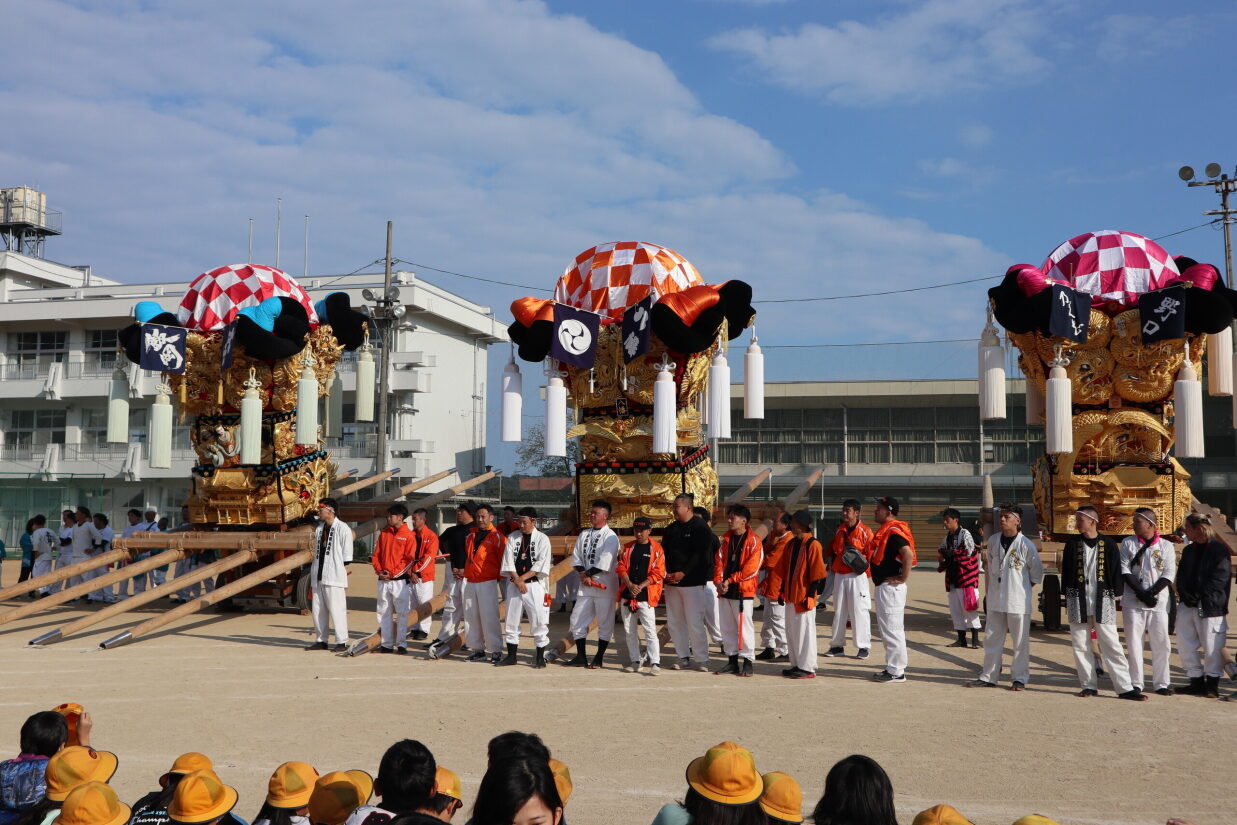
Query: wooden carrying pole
[751,484]
[63,573]
[229,590]
[368,527]
[358,510]
[802,490]
[201,574]
[71,593]
[344,475]
[369,481]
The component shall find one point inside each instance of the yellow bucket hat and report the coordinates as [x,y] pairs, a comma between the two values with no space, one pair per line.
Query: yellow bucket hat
[337,794]
[93,803]
[291,785]
[74,766]
[1035,819]
[201,796]
[941,815]
[562,780]
[449,783]
[782,798]
[726,774]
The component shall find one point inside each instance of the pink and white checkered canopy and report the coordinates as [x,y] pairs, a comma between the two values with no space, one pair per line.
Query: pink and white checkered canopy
[1111,265]
[214,297]
[613,276]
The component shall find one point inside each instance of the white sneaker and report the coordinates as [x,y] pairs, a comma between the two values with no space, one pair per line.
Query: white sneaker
[630,669]
[654,670]
[703,667]
[682,664]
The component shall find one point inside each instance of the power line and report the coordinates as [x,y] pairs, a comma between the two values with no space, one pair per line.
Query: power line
[875,344]
[873,294]
[1190,229]
[473,277]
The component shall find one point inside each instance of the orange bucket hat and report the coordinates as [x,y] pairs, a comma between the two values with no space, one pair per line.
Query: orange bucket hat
[782,798]
[291,785]
[725,774]
[200,797]
[72,712]
[562,780]
[93,803]
[449,783]
[337,794]
[941,815]
[190,762]
[74,766]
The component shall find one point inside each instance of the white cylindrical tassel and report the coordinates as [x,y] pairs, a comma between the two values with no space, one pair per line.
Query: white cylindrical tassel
[665,414]
[1220,362]
[1035,404]
[1059,429]
[753,381]
[991,376]
[1235,395]
[719,397]
[118,408]
[159,446]
[556,418]
[334,418]
[513,402]
[366,376]
[307,405]
[251,422]
[1188,407]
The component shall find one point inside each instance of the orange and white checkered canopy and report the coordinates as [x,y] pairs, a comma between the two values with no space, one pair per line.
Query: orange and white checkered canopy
[613,276]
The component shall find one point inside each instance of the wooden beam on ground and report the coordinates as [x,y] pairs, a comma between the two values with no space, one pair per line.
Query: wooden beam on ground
[368,481]
[749,486]
[229,590]
[67,572]
[362,510]
[363,530]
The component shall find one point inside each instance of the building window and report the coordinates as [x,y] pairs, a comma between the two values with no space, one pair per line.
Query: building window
[39,348]
[94,427]
[35,428]
[101,351]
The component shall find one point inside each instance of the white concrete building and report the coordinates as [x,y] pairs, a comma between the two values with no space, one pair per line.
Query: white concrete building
[58,328]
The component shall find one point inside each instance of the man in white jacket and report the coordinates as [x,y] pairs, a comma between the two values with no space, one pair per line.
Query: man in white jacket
[46,543]
[526,564]
[1148,565]
[595,558]
[1013,569]
[329,579]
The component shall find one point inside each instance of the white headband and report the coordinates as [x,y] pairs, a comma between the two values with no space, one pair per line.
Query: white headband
[1087,514]
[1149,516]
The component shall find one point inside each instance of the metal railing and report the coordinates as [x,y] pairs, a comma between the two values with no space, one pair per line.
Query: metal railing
[22,372]
[22,452]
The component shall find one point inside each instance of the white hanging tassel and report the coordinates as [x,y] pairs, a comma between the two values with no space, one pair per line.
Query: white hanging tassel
[719,397]
[754,380]
[1059,429]
[1188,409]
[991,373]
[592,382]
[307,404]
[159,444]
[555,414]
[1036,411]
[1220,363]
[513,401]
[333,424]
[118,408]
[251,422]
[665,413]
[366,376]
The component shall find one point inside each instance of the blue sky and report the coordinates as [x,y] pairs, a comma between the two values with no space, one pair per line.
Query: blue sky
[811,148]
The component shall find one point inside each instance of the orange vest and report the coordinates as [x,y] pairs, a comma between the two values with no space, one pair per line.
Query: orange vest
[881,538]
[750,556]
[860,538]
[427,560]
[795,585]
[773,556]
[394,549]
[657,569]
[485,555]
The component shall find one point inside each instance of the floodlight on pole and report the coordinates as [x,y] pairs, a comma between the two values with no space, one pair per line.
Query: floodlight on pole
[1224,185]
[1186,173]
[1212,170]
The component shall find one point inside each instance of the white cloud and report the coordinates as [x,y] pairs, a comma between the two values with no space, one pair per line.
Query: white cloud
[928,51]
[976,135]
[957,169]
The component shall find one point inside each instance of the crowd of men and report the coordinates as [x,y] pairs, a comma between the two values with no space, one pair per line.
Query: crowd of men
[710,587]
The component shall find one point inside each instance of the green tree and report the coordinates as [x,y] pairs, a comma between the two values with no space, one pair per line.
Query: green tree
[532,460]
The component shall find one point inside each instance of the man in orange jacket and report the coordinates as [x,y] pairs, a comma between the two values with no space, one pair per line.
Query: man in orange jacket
[393,556]
[641,570]
[801,578]
[735,570]
[484,549]
[893,556]
[421,574]
[773,632]
[852,600]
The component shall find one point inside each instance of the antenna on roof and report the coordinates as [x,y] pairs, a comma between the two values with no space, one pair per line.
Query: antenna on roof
[278,227]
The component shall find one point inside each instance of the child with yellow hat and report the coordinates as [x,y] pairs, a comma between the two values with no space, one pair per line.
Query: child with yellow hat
[287,795]
[337,794]
[722,785]
[69,769]
[152,809]
[781,798]
[407,778]
[448,798]
[92,803]
[201,798]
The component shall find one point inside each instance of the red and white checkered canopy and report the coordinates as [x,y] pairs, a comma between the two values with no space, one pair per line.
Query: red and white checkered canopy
[214,297]
[1111,265]
[613,276]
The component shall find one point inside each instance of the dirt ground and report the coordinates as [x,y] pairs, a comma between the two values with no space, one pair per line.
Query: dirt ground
[240,689]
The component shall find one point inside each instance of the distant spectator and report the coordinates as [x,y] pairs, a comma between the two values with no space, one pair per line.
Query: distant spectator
[93,803]
[201,798]
[71,767]
[152,809]
[337,794]
[287,795]
[781,798]
[22,783]
[27,552]
[857,792]
[723,788]
[405,784]
[517,791]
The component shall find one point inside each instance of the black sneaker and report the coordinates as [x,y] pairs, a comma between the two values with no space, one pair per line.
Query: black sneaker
[477,656]
[886,677]
[576,661]
[401,651]
[782,657]
[766,655]
[383,649]
[419,635]
[745,668]
[834,651]
[339,648]
[495,658]
[863,653]
[316,646]
[1164,691]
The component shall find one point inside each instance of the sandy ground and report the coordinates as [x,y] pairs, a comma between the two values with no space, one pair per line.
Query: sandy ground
[240,689]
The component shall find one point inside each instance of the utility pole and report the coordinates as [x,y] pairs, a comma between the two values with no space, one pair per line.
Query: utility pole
[388,330]
[1224,186]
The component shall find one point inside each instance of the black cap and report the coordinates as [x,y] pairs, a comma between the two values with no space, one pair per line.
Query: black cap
[642,523]
[889,503]
[469,507]
[804,517]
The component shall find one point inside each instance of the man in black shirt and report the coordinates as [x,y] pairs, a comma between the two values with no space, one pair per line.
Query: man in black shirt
[688,542]
[452,543]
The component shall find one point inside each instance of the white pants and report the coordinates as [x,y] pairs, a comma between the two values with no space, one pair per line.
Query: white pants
[481,616]
[891,618]
[392,610]
[452,608]
[534,604]
[1018,626]
[103,594]
[330,604]
[851,602]
[685,617]
[141,581]
[801,638]
[712,615]
[773,629]
[589,607]
[963,619]
[183,568]
[419,594]
[67,559]
[42,566]
[122,586]
[738,633]
[158,577]
[565,590]
[1154,624]
[1195,631]
[645,617]
[1110,650]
